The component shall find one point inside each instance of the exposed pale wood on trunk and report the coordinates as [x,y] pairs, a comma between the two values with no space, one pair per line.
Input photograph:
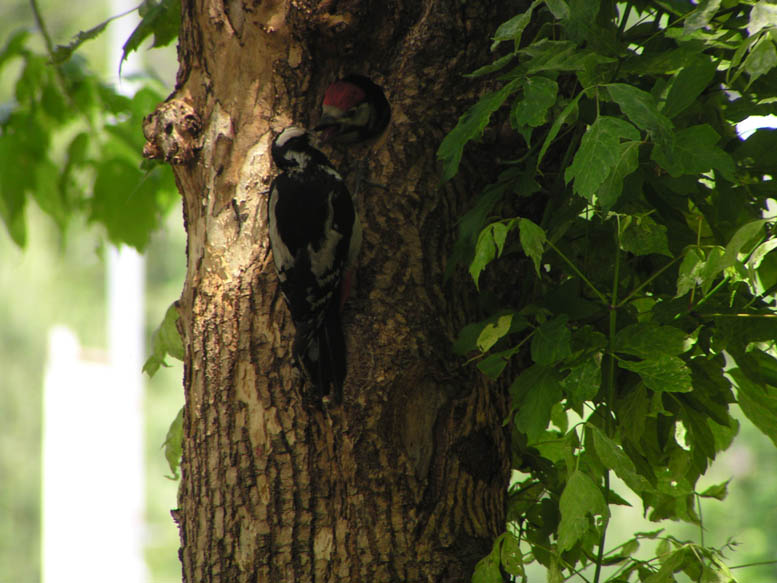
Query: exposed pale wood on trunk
[406,481]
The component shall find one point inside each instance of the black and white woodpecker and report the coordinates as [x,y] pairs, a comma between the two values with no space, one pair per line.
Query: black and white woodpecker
[315,237]
[354,109]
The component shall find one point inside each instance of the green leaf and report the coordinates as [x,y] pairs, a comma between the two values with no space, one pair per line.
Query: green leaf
[471,126]
[582,21]
[555,127]
[690,272]
[716,572]
[640,107]
[489,245]
[467,340]
[558,8]
[487,569]
[492,67]
[129,137]
[698,435]
[23,144]
[630,547]
[551,341]
[493,364]
[581,497]
[740,242]
[643,236]
[598,154]
[631,413]
[583,381]
[648,339]
[614,458]
[688,84]
[628,161]
[174,444]
[492,333]
[32,78]
[128,202]
[661,373]
[532,239]
[534,392]
[761,59]
[77,150]
[718,491]
[513,28]
[701,16]
[160,18]
[735,69]
[670,564]
[762,16]
[47,192]
[165,340]
[471,224]
[711,267]
[546,50]
[62,53]
[694,152]
[14,46]
[53,102]
[12,205]
[539,95]
[760,253]
[556,56]
[511,556]
[758,403]
[554,575]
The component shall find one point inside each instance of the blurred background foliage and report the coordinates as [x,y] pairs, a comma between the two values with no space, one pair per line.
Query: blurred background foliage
[53,268]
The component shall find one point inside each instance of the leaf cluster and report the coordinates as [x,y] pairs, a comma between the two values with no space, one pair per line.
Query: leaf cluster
[637,302]
[73,144]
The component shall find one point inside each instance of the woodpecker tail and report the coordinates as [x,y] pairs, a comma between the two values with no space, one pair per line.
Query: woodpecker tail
[321,354]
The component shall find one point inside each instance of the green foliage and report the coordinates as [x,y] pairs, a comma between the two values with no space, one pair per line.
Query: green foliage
[165,340]
[73,145]
[174,444]
[160,19]
[651,309]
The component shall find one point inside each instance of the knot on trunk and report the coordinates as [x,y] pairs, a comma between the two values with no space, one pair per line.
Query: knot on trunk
[172,133]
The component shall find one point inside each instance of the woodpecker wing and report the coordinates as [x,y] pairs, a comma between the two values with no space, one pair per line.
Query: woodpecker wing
[312,228]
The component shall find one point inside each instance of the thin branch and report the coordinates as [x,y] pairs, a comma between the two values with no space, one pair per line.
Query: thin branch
[42,27]
[755,564]
[579,273]
[639,288]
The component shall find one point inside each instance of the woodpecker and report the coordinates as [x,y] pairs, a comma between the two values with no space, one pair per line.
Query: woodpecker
[354,110]
[315,236]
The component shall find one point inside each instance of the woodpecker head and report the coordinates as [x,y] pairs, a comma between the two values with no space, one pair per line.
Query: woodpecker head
[292,150]
[354,110]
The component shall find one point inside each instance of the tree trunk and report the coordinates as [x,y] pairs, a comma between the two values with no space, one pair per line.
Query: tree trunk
[406,480]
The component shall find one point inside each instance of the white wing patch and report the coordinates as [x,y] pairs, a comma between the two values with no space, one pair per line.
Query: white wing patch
[280,252]
[332,172]
[322,261]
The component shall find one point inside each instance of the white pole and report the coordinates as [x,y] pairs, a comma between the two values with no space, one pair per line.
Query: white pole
[93,445]
[126,317]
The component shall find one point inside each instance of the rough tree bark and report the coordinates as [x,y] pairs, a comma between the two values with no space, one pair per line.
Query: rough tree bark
[406,480]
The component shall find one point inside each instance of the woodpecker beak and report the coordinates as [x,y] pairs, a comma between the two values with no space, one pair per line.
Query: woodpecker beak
[328,127]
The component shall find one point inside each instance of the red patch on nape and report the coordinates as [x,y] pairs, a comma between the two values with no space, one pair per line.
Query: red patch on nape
[343,95]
